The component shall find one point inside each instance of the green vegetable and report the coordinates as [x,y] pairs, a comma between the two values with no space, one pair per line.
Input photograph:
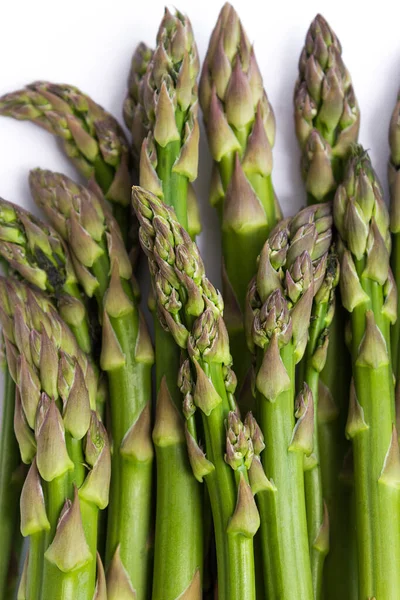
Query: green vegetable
[37,253]
[240,126]
[191,309]
[104,270]
[369,294]
[91,137]
[327,116]
[327,120]
[291,272]
[165,133]
[311,366]
[9,489]
[58,432]
[393,176]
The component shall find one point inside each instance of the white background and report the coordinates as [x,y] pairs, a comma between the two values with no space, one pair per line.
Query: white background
[89,44]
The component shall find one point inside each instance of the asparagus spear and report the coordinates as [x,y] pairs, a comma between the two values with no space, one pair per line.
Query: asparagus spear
[393,176]
[38,254]
[327,120]
[292,268]
[139,124]
[104,269]
[327,117]
[134,112]
[58,431]
[191,309]
[240,126]
[168,105]
[9,492]
[369,294]
[310,369]
[91,137]
[165,132]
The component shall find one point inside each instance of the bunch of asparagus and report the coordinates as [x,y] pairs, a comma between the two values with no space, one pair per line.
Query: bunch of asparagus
[281,398]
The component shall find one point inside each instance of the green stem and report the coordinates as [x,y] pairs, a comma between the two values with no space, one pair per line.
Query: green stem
[340,569]
[179,527]
[101,271]
[178,523]
[377,503]
[35,566]
[235,556]
[89,512]
[175,186]
[179,532]
[71,585]
[314,498]
[312,473]
[265,193]
[9,493]
[136,523]
[81,331]
[131,482]
[104,175]
[129,509]
[395,333]
[90,520]
[287,558]
[129,513]
[241,247]
[208,545]
[75,452]
[57,491]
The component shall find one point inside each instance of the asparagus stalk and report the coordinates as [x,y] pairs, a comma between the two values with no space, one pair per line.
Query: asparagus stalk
[327,116]
[39,255]
[136,118]
[58,431]
[103,267]
[162,100]
[292,268]
[369,294]
[240,126]
[9,492]
[310,369]
[191,309]
[134,112]
[91,138]
[393,176]
[327,120]
[168,106]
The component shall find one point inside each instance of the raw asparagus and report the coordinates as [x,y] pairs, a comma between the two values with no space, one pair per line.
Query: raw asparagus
[58,431]
[327,117]
[191,309]
[165,132]
[310,369]
[291,271]
[135,116]
[103,267]
[327,120]
[369,294]
[394,187]
[240,126]
[140,124]
[91,137]
[9,490]
[39,255]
